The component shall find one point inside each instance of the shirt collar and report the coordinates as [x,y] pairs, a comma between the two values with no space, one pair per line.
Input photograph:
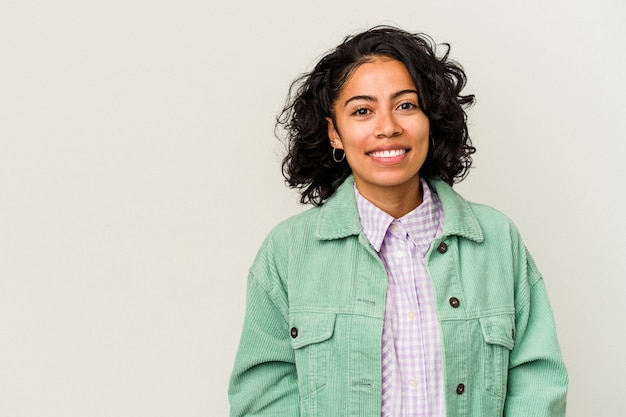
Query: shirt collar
[421,224]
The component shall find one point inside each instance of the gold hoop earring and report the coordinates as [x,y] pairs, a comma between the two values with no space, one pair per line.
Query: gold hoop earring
[343,155]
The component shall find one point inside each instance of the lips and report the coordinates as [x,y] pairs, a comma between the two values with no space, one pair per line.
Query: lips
[392,153]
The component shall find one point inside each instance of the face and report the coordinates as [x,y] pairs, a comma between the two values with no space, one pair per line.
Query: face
[381,128]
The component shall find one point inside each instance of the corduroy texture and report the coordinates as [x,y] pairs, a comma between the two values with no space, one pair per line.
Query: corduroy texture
[316,296]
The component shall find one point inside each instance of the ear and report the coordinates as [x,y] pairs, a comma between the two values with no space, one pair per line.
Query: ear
[333,135]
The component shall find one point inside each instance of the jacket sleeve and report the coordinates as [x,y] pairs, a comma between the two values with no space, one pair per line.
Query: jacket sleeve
[264,381]
[537,380]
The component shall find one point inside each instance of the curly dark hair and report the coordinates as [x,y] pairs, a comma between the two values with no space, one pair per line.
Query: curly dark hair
[309,166]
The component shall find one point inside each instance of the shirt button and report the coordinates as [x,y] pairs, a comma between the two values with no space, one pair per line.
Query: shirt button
[411,315]
[442,248]
[460,389]
[294,332]
[399,254]
[413,383]
[454,302]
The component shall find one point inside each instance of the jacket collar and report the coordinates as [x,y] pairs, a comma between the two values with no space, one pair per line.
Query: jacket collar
[459,219]
[339,216]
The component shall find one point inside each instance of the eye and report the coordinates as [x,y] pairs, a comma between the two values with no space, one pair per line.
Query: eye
[361,111]
[407,106]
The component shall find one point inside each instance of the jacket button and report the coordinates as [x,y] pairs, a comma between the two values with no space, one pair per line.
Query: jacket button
[294,332]
[454,302]
[442,248]
[460,389]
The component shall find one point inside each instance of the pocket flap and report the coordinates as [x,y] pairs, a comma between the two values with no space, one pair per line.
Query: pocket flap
[499,330]
[311,327]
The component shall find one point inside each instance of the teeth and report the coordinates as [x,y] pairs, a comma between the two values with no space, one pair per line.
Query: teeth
[388,154]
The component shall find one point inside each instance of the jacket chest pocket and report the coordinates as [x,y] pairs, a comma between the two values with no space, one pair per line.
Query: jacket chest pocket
[499,336]
[311,335]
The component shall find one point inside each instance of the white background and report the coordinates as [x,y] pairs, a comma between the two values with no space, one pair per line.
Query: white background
[139,174]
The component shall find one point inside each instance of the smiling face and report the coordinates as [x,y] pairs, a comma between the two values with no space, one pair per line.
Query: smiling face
[381,129]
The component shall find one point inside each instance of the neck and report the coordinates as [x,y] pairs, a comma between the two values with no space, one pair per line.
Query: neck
[395,201]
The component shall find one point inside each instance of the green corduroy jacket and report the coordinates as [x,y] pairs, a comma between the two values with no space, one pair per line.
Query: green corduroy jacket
[311,340]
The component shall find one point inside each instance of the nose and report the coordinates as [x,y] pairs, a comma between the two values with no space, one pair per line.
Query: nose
[387,125]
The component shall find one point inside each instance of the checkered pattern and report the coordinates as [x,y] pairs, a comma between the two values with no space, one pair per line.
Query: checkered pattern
[412,375]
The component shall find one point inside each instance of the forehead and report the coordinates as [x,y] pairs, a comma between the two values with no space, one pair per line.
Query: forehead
[379,73]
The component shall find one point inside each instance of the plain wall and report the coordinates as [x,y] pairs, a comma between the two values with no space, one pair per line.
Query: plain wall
[139,174]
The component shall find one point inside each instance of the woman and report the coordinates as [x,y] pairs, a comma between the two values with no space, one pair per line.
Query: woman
[393,296]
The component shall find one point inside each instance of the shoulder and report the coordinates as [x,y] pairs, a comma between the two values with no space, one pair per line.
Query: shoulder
[284,237]
[470,219]
[500,237]
[490,238]
[298,224]
[491,218]
[337,218]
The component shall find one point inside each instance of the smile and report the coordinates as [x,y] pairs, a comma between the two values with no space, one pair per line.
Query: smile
[388,154]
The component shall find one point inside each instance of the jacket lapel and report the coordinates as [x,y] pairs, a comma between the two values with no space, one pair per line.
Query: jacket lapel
[339,216]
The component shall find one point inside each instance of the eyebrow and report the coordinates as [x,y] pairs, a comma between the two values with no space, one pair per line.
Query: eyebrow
[371,98]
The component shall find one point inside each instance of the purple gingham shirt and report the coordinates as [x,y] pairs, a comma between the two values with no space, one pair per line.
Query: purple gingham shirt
[412,374]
